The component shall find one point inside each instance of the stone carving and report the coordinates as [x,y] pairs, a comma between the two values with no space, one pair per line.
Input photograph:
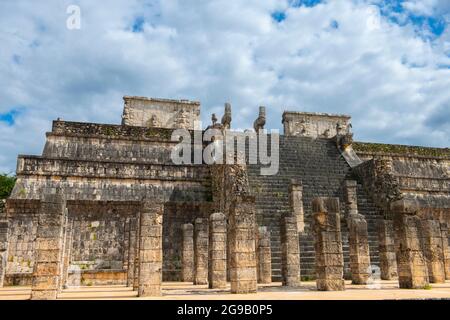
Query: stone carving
[445,249]
[153,122]
[388,259]
[433,251]
[328,244]
[217,264]
[358,240]
[187,255]
[290,252]
[226,119]
[242,244]
[49,244]
[3,242]
[411,263]
[296,203]
[261,120]
[132,251]
[201,251]
[264,256]
[150,249]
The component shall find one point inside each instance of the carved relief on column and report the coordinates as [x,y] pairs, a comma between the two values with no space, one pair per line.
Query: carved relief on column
[358,240]
[445,249]
[150,249]
[3,245]
[200,251]
[132,244]
[264,256]
[217,264]
[328,244]
[411,262]
[432,247]
[387,251]
[242,244]
[296,203]
[187,254]
[49,247]
[290,252]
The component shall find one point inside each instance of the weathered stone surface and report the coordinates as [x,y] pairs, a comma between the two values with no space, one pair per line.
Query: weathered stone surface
[132,243]
[411,262]
[242,220]
[201,251]
[49,248]
[359,249]
[296,203]
[433,250]
[187,255]
[264,256]
[150,249]
[445,249]
[217,264]
[3,246]
[290,251]
[328,244]
[388,260]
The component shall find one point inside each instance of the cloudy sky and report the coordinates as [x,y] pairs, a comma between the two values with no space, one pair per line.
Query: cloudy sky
[384,62]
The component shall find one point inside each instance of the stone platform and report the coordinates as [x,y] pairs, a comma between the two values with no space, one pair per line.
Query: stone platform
[187,291]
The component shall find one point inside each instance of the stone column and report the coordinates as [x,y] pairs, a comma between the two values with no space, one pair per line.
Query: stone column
[264,256]
[432,249]
[136,254]
[150,249]
[358,240]
[132,251]
[187,254]
[411,263]
[126,243]
[49,246]
[3,248]
[242,244]
[388,260]
[201,251]
[445,249]
[351,200]
[290,252]
[296,203]
[217,264]
[328,244]
[67,253]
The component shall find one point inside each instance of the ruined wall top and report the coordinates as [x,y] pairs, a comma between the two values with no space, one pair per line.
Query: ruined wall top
[314,125]
[160,113]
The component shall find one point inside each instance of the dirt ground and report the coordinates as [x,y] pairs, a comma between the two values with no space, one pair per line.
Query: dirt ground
[274,291]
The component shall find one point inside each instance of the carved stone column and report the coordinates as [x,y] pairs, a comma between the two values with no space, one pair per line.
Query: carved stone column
[132,246]
[386,249]
[49,247]
[217,265]
[432,248]
[200,251]
[358,240]
[242,243]
[290,252]
[296,203]
[411,263]
[328,244]
[3,248]
[264,256]
[150,249]
[445,249]
[187,254]
[67,253]
[137,255]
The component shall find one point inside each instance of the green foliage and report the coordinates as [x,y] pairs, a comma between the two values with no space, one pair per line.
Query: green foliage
[6,185]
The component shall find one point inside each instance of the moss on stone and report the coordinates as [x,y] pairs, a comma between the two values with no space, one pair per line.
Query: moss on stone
[401,149]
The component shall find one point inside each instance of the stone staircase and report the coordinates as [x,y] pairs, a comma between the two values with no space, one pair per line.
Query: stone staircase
[322,170]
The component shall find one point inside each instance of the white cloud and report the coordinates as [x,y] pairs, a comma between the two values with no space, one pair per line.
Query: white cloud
[386,77]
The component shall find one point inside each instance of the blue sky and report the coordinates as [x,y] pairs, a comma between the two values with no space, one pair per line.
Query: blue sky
[385,63]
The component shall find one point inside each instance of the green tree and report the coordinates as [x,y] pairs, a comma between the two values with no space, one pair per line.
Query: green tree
[6,185]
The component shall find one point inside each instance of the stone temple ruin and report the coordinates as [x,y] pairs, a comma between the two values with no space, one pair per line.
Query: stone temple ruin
[104,204]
